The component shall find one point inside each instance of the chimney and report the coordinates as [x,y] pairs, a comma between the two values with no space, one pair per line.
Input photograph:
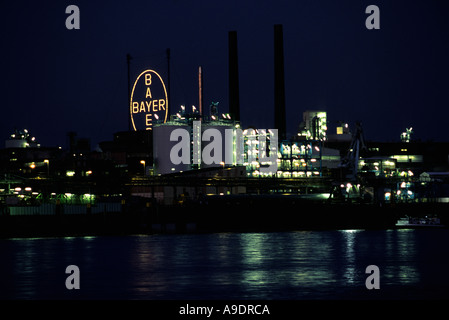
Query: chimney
[279,86]
[200,90]
[234,100]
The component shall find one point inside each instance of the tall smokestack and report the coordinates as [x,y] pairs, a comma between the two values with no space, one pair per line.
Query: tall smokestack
[200,90]
[168,77]
[128,62]
[279,86]
[234,100]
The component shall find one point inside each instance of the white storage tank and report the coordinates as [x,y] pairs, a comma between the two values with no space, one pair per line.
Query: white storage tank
[218,129]
[162,147]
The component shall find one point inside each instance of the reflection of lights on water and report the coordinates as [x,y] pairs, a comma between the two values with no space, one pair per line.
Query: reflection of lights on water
[350,238]
[406,251]
[399,247]
[350,231]
[295,261]
[252,246]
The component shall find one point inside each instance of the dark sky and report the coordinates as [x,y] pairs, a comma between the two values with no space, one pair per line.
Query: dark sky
[55,80]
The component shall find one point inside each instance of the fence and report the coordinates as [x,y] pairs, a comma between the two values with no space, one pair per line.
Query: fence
[50,209]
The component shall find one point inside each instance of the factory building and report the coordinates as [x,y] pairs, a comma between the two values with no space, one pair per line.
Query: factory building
[21,139]
[298,157]
[313,126]
[177,148]
[192,141]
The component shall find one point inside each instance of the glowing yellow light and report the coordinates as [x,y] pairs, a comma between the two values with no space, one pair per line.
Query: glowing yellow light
[154,105]
[70,173]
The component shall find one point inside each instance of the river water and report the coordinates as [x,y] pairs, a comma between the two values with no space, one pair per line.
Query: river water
[325,265]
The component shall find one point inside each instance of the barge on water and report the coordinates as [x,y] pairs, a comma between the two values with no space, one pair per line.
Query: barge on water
[417,222]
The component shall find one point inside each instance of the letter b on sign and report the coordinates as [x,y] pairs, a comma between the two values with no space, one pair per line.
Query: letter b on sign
[72,281]
[373,281]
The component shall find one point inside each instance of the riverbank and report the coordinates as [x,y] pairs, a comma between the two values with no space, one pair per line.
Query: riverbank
[221,214]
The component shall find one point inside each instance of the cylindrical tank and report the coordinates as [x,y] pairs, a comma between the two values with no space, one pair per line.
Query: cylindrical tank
[224,144]
[170,156]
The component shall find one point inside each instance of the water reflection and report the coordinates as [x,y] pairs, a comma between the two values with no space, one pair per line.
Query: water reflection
[291,265]
[24,265]
[144,259]
[393,251]
[404,252]
[295,262]
[227,247]
[349,242]
[255,267]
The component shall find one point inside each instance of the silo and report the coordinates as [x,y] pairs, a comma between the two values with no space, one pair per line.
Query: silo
[234,102]
[279,83]
[217,129]
[180,148]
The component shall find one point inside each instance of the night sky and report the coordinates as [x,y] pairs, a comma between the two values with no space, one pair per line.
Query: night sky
[55,80]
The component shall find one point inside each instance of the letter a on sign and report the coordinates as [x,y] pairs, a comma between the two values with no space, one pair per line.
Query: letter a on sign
[72,21]
[72,281]
[373,21]
[372,282]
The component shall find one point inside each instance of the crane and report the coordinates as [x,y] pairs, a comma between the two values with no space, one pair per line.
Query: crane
[348,186]
[351,160]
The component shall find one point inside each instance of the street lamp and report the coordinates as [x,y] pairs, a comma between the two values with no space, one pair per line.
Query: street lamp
[143,162]
[47,162]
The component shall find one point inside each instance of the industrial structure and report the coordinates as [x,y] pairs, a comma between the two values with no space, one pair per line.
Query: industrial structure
[197,157]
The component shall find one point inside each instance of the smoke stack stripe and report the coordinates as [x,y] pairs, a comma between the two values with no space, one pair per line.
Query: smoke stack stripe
[279,86]
[234,99]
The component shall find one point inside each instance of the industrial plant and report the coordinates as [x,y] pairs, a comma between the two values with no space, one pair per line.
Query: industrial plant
[201,169]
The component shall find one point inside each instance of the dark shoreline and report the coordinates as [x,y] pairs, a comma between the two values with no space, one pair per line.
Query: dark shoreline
[221,214]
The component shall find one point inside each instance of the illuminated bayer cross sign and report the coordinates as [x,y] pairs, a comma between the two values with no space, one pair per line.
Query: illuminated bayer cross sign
[149,102]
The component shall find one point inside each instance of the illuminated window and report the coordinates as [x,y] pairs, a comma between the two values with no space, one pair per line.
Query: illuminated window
[70,173]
